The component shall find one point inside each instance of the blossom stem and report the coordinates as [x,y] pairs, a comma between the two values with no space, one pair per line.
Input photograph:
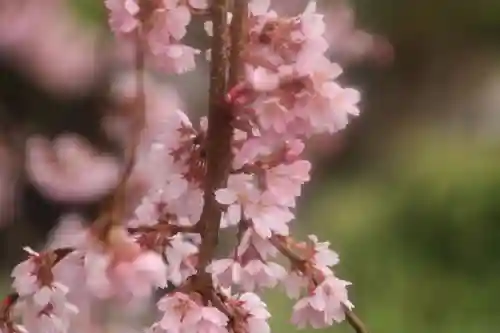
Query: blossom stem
[354,321]
[281,245]
[172,229]
[218,142]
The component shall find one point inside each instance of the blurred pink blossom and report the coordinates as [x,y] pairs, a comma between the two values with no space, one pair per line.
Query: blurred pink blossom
[69,170]
[162,102]
[349,43]
[44,40]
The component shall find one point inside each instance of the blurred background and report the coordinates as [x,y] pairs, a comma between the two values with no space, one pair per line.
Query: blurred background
[408,195]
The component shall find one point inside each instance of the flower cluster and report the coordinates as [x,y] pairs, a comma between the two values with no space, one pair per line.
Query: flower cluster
[162,25]
[44,303]
[287,93]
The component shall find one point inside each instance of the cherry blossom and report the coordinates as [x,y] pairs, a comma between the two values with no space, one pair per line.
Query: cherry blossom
[257,273]
[163,24]
[182,313]
[181,257]
[255,313]
[325,305]
[226,271]
[207,319]
[286,93]
[44,305]
[123,15]
[123,269]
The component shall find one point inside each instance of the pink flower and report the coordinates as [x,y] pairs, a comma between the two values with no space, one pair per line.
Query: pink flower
[123,14]
[312,23]
[285,181]
[145,273]
[259,7]
[206,320]
[44,302]
[25,281]
[123,270]
[256,313]
[178,254]
[268,219]
[226,272]
[240,191]
[182,314]
[257,273]
[324,306]
[323,256]
[55,320]
[263,80]
[294,283]
[253,241]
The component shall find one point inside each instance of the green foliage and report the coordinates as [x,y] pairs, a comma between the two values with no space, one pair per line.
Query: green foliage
[92,11]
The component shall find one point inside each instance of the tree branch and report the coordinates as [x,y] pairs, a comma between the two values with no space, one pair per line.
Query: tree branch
[114,206]
[238,40]
[218,139]
[138,124]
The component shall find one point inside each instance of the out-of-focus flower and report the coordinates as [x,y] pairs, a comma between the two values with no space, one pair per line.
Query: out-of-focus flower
[69,170]
[45,41]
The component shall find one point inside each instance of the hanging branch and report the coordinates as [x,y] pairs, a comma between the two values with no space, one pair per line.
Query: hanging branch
[114,206]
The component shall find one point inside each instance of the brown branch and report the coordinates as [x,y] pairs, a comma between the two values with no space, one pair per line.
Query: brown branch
[238,33]
[137,127]
[114,206]
[172,229]
[218,143]
[354,321]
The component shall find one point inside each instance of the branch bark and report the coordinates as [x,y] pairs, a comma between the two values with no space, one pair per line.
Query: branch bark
[114,205]
[218,139]
[238,40]
[138,124]
[220,130]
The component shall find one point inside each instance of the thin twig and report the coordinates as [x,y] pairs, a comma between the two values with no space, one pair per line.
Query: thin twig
[114,206]
[279,243]
[137,128]
[170,228]
[354,321]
